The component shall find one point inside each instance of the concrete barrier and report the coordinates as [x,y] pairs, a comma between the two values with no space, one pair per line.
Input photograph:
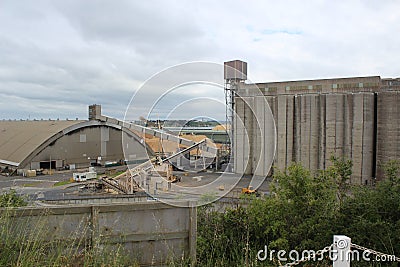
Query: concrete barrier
[152,233]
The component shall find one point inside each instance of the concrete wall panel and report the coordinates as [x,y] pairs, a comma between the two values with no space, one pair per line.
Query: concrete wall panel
[313,127]
[368,138]
[281,124]
[153,233]
[290,152]
[322,132]
[339,121]
[297,128]
[243,135]
[270,135]
[388,129]
[259,136]
[314,131]
[357,134]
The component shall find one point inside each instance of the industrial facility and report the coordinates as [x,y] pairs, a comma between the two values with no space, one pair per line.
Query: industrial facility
[271,123]
[27,146]
[60,144]
[354,118]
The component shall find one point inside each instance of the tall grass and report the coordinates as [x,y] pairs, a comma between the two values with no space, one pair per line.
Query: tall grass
[27,242]
[29,239]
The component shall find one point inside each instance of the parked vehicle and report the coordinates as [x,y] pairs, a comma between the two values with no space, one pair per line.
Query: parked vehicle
[84,176]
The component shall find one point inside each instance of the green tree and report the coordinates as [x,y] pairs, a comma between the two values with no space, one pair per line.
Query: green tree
[340,172]
[371,215]
[304,211]
[303,205]
[391,169]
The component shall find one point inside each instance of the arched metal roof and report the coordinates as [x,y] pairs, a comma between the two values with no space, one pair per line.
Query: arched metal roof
[20,138]
[21,141]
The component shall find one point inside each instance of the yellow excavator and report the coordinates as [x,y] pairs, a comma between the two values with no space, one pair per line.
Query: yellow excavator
[250,191]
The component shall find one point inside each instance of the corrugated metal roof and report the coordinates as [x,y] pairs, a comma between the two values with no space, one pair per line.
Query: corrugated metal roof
[172,147]
[20,138]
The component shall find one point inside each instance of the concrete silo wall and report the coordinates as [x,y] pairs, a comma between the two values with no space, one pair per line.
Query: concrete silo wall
[282,130]
[310,129]
[254,138]
[243,128]
[388,129]
[361,137]
[264,145]
[306,120]
[368,169]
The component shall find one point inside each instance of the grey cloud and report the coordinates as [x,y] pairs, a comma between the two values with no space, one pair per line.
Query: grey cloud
[158,27]
[56,57]
[74,53]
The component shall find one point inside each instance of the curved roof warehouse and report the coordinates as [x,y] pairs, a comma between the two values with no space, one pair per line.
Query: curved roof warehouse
[58,143]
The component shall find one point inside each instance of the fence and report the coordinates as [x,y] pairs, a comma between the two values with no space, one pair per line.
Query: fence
[153,233]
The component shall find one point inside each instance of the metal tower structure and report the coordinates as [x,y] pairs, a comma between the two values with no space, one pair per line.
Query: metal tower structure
[235,72]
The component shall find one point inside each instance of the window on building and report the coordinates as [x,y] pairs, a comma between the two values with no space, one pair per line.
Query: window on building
[334,86]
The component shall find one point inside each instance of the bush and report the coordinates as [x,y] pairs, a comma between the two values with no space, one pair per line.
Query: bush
[11,199]
[303,212]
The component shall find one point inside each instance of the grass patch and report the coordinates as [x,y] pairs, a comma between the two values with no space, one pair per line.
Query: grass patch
[60,183]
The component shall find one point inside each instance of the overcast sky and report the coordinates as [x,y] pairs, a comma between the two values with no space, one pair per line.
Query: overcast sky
[57,57]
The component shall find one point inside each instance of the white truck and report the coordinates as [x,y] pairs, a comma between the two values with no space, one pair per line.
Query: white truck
[84,176]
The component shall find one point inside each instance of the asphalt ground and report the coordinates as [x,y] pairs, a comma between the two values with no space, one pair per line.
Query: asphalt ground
[47,187]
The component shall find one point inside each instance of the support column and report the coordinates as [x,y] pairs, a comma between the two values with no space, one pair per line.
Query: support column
[341,251]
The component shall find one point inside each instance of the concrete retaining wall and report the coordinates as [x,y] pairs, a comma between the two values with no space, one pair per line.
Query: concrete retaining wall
[153,233]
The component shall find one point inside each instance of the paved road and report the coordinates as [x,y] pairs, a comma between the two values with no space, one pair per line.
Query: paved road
[43,186]
[193,186]
[204,185]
